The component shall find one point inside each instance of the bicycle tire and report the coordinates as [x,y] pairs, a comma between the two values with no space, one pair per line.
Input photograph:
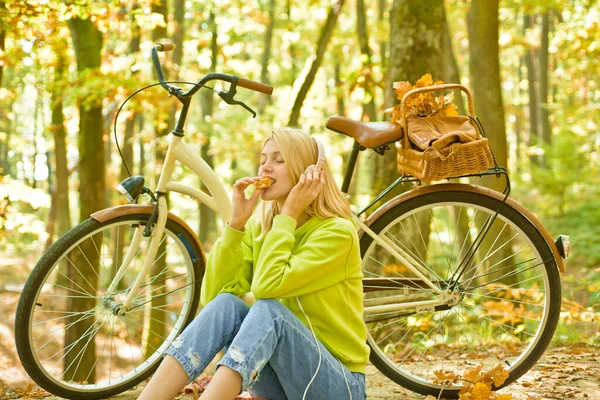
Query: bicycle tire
[44,288]
[463,322]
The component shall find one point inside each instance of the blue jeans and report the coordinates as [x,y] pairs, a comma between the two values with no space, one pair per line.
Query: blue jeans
[274,353]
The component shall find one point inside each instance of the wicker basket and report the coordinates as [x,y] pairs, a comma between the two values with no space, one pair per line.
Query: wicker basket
[451,161]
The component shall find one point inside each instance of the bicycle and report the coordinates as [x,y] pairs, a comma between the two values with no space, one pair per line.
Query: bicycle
[445,295]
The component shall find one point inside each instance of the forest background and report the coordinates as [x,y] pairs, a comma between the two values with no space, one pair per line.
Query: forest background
[65,68]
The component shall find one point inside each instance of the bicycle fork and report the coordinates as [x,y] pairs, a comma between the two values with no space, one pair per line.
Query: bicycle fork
[156,237]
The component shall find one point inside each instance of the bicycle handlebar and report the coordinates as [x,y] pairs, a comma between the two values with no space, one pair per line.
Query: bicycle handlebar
[256,86]
[165,46]
[242,82]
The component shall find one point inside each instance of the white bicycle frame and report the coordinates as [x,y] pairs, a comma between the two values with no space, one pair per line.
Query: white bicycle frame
[219,201]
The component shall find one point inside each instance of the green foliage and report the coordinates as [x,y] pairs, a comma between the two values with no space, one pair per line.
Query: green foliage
[565,165]
[583,224]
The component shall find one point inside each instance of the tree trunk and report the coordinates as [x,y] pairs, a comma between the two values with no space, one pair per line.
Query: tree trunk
[546,133]
[266,56]
[339,90]
[60,147]
[2,39]
[293,69]
[484,67]
[207,215]
[533,93]
[324,37]
[50,226]
[383,44]
[178,32]
[6,124]
[110,174]
[450,71]
[87,41]
[141,144]
[415,49]
[36,129]
[519,117]
[369,112]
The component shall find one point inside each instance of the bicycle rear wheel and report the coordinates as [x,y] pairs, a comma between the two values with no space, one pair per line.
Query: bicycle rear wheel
[70,334]
[503,299]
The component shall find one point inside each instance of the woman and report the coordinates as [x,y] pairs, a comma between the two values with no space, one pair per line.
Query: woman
[304,338]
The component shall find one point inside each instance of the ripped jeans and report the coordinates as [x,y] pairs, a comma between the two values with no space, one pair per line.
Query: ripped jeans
[274,353]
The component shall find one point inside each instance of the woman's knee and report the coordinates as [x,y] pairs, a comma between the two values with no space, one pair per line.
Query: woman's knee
[227,302]
[268,306]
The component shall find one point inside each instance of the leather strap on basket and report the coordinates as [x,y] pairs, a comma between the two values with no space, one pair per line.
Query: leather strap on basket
[430,89]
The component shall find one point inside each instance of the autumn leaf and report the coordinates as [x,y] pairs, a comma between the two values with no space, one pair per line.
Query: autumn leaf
[424,81]
[507,396]
[401,88]
[450,110]
[445,375]
[498,375]
[465,396]
[472,375]
[481,391]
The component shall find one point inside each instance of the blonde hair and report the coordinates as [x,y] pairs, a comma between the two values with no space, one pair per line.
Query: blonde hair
[299,151]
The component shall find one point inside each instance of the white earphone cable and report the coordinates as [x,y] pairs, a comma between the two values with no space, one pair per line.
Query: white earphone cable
[319,349]
[344,373]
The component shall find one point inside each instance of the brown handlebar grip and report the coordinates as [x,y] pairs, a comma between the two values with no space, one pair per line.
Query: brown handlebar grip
[165,46]
[256,86]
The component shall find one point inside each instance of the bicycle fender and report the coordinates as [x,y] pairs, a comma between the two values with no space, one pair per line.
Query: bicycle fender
[462,187]
[118,211]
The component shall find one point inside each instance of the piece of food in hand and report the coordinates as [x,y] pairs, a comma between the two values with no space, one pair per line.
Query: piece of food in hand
[265,182]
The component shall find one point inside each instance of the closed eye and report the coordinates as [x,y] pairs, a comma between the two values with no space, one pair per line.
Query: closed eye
[281,161]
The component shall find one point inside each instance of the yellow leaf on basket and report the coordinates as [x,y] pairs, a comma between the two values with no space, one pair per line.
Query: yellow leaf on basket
[401,88]
[450,110]
[425,80]
[507,396]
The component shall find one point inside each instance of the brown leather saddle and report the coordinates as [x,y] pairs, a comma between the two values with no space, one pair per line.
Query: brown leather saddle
[368,134]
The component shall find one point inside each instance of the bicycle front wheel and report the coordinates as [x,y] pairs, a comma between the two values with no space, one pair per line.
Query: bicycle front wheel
[73,338]
[498,279]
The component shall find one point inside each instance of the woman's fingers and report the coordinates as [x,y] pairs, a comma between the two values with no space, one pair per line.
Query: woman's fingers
[316,174]
[243,183]
[312,176]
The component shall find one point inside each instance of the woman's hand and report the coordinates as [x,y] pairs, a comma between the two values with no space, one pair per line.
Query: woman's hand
[310,184]
[242,207]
